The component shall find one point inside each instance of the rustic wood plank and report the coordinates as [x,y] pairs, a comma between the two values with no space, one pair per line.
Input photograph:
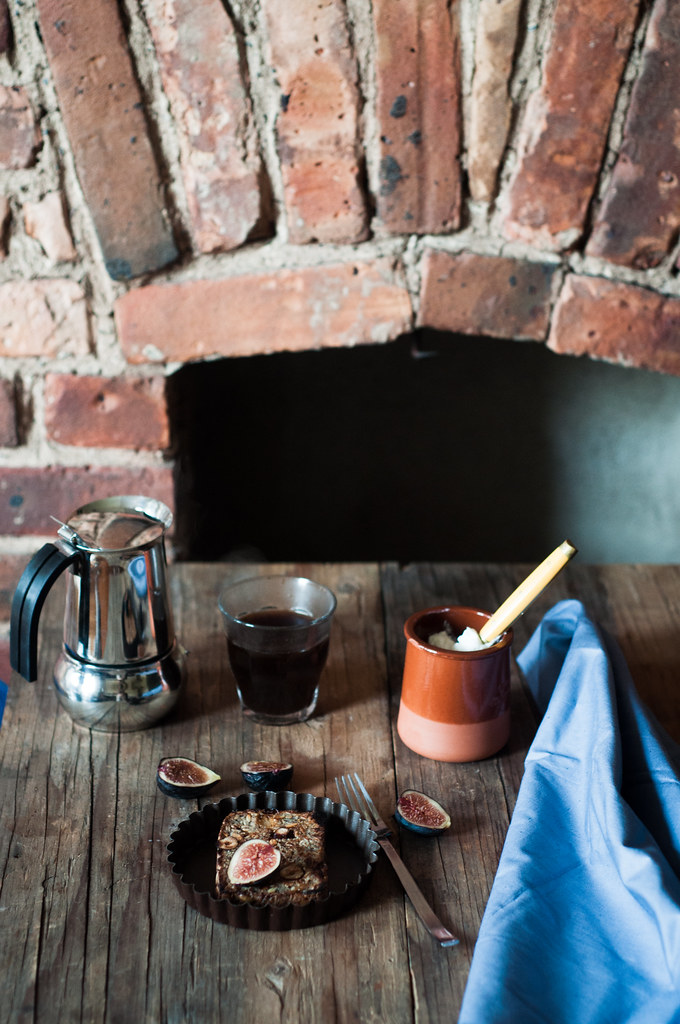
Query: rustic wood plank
[644,615]
[56,784]
[93,926]
[185,966]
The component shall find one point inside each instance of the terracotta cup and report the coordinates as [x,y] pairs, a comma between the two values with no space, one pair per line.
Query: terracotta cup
[455,705]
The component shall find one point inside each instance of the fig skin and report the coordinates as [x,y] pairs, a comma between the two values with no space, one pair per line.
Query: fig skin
[253,861]
[183,778]
[274,776]
[420,813]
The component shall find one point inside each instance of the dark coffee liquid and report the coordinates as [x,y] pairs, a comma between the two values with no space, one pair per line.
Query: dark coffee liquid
[275,683]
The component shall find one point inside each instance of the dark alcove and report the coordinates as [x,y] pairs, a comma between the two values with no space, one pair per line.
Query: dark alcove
[434,446]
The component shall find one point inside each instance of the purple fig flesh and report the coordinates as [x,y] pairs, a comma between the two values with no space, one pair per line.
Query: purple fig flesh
[254,860]
[182,777]
[421,813]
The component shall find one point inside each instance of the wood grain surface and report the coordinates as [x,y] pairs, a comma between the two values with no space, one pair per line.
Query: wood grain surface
[93,928]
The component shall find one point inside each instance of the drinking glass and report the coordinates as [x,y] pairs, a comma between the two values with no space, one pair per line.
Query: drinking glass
[278,632]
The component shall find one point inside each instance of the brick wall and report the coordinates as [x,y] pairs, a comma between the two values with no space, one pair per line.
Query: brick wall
[185,179]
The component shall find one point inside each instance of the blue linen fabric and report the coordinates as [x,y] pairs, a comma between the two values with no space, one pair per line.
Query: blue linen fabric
[583,921]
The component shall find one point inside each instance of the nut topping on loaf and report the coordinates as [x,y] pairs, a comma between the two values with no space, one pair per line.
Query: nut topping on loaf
[302,874]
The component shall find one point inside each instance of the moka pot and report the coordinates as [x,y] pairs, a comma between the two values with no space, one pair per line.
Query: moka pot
[120,667]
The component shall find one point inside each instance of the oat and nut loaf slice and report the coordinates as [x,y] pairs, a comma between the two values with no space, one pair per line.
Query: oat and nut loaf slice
[302,875]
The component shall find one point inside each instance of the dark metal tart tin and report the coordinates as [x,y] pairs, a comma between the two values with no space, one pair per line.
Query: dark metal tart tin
[351,851]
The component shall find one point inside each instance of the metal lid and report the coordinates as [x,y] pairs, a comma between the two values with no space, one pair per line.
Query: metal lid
[117,524]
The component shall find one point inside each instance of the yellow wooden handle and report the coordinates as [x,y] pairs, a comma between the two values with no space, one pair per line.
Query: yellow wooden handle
[532,586]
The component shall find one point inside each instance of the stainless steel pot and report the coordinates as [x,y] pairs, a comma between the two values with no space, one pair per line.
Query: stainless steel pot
[120,667]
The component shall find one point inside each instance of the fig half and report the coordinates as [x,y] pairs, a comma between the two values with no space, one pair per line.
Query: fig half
[272,775]
[181,777]
[421,813]
[254,860]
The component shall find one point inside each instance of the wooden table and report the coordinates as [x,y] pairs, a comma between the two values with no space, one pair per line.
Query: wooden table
[93,927]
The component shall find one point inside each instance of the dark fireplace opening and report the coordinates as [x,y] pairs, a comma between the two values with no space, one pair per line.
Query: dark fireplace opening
[433,446]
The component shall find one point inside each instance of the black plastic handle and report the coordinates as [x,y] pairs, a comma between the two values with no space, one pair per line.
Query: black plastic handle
[29,597]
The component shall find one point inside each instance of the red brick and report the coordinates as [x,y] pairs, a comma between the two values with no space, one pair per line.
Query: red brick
[28,497]
[564,129]
[107,412]
[5,28]
[19,133]
[490,103]
[9,437]
[46,222]
[617,322]
[102,108]
[418,103]
[317,124]
[494,296]
[198,52]
[43,318]
[640,215]
[286,310]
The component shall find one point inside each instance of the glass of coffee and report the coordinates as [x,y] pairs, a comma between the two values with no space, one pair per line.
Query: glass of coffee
[278,630]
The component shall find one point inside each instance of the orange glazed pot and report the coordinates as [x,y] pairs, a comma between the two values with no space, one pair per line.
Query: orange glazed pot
[455,705]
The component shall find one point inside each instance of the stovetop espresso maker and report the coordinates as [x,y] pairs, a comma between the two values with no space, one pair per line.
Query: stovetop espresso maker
[120,667]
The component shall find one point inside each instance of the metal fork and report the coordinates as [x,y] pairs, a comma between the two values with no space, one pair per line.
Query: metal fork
[353,793]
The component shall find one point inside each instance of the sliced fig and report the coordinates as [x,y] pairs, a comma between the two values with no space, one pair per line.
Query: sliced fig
[421,813]
[254,860]
[272,775]
[182,777]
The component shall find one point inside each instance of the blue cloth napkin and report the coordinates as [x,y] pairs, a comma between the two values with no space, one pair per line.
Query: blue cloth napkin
[583,921]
